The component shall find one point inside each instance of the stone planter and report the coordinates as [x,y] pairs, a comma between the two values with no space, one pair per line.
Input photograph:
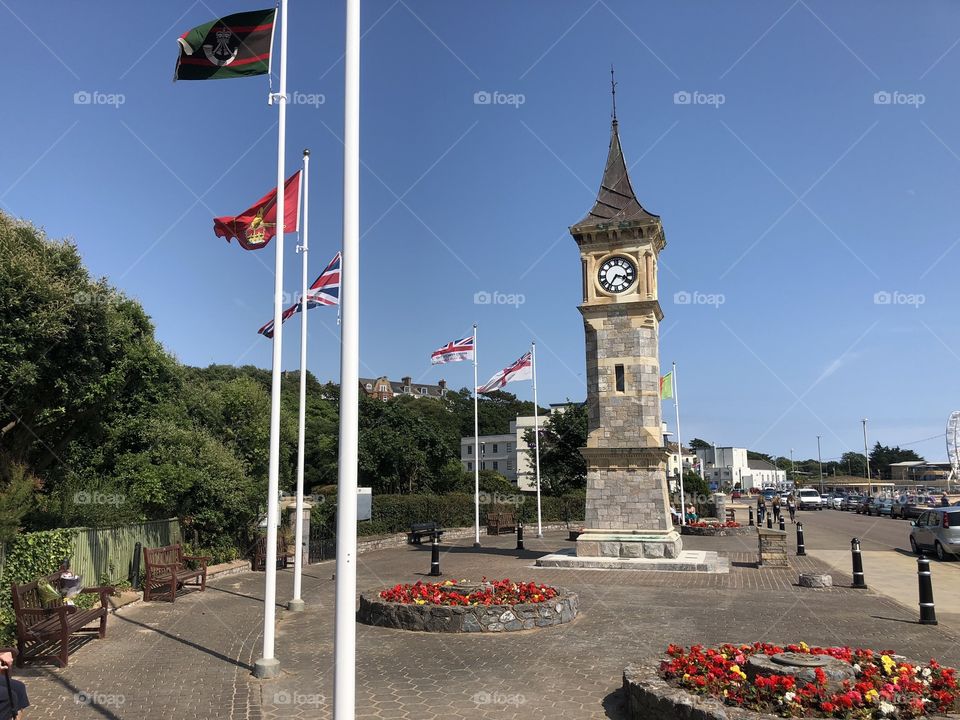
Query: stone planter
[473,618]
[715,531]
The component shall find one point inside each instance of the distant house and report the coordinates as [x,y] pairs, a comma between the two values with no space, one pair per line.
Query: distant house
[383,388]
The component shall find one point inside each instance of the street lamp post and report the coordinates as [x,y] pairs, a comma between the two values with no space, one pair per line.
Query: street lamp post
[866,457]
[820,464]
[793,470]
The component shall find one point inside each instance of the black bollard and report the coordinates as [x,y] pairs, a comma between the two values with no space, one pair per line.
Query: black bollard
[135,573]
[783,527]
[801,549]
[857,565]
[520,535]
[928,613]
[769,521]
[435,556]
[750,511]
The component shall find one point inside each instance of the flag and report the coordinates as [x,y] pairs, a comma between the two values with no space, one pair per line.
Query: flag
[666,386]
[233,46]
[256,226]
[324,291]
[454,351]
[522,369]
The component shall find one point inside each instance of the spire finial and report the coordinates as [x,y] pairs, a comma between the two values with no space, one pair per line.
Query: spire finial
[613,92]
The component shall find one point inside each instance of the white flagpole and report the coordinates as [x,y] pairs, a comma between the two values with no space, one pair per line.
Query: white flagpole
[536,433]
[345,629]
[676,405]
[476,446]
[268,666]
[296,604]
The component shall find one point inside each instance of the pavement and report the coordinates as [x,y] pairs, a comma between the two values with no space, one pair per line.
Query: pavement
[193,659]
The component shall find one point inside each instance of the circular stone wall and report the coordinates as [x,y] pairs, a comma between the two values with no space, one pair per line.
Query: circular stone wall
[467,618]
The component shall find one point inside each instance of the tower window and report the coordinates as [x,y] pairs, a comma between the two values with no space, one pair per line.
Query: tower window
[618,369]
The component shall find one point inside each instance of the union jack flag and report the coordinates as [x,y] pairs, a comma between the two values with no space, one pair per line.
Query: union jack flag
[522,369]
[324,291]
[454,351]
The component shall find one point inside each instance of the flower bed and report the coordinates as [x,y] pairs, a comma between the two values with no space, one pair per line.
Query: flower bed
[715,529]
[884,685]
[451,606]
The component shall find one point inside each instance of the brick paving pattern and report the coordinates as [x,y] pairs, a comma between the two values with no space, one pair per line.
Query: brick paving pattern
[193,659]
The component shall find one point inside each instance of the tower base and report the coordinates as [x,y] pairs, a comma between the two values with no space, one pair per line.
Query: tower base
[687,561]
[650,544]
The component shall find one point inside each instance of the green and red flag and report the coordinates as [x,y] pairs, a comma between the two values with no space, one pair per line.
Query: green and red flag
[256,226]
[233,46]
[666,386]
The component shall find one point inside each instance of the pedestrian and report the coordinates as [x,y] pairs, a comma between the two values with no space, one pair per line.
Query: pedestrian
[761,509]
[944,500]
[776,508]
[691,513]
[13,694]
[792,507]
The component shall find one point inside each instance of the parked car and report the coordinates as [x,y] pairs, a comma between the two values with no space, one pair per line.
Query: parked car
[883,506]
[837,502]
[908,506]
[851,502]
[863,508]
[809,499]
[937,529]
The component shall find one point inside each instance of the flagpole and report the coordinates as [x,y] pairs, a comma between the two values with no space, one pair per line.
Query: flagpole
[268,666]
[476,446]
[345,630]
[676,405]
[296,604]
[536,433]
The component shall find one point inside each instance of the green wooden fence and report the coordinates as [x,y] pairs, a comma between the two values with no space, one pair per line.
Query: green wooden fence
[107,553]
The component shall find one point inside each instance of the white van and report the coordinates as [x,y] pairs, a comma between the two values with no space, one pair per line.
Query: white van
[809,499]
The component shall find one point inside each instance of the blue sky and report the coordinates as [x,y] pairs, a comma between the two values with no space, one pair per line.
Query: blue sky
[804,157]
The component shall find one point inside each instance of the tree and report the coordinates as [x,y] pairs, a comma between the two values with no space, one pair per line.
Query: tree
[562,467]
[881,457]
[698,444]
[853,464]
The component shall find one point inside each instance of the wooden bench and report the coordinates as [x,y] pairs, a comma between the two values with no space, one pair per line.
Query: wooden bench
[166,567]
[41,627]
[418,531]
[285,553]
[501,522]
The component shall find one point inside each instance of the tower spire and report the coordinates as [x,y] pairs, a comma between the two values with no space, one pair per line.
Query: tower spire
[613,93]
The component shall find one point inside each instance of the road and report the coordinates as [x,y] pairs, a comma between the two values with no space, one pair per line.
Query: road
[889,566]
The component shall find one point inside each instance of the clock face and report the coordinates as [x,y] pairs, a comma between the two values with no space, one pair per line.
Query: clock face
[617,274]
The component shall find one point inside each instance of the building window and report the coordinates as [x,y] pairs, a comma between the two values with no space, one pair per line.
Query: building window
[618,369]
[509,447]
[469,449]
[483,466]
[496,465]
[469,466]
[423,391]
[369,386]
[495,446]
[383,388]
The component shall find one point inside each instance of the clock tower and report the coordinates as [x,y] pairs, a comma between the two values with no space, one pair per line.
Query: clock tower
[627,513]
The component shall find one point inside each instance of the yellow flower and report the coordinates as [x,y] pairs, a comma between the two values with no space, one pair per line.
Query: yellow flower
[889,665]
[871,695]
[735,668]
[418,601]
[725,693]
[804,647]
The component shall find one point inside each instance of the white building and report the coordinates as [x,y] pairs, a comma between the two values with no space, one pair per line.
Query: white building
[730,466]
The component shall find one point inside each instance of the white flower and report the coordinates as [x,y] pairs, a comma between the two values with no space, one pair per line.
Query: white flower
[927,672]
[789,696]
[856,668]
[887,709]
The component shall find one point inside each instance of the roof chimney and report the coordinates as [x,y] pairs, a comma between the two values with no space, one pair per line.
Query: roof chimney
[442,384]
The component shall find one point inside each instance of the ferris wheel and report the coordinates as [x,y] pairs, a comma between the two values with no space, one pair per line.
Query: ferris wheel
[953,446]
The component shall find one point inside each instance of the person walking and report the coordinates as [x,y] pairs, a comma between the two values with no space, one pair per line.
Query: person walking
[944,500]
[13,694]
[792,507]
[776,508]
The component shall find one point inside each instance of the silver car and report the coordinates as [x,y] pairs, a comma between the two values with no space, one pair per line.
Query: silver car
[937,529]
